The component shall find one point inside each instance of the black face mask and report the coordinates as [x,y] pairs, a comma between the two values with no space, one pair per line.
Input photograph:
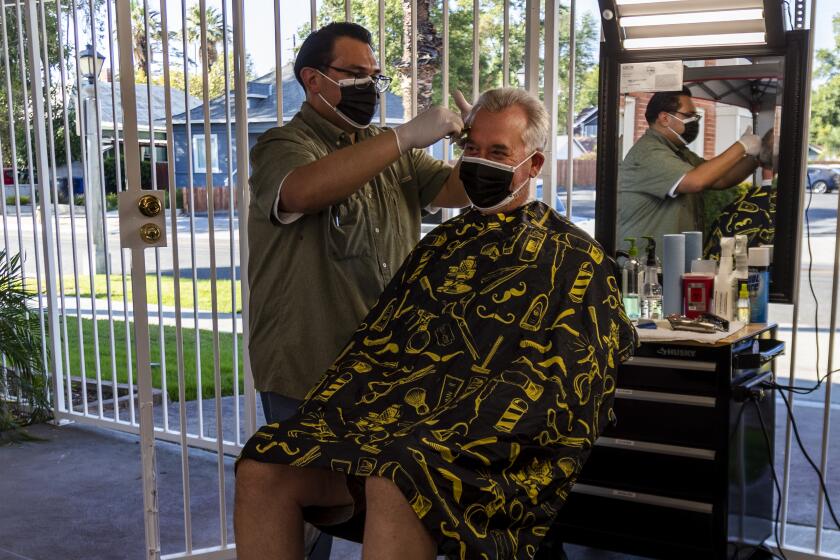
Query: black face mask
[692,129]
[488,183]
[358,101]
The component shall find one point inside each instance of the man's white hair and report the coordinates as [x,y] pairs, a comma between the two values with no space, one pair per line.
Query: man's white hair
[496,100]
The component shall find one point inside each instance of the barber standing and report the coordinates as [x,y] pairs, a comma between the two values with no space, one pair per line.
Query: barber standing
[335,208]
[661,181]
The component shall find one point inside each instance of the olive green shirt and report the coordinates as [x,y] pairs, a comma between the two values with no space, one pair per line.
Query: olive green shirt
[314,279]
[647,201]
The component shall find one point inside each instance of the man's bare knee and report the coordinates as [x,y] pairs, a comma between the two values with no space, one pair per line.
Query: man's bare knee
[301,485]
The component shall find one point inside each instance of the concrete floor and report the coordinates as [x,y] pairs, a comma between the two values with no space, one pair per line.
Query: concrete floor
[79,493]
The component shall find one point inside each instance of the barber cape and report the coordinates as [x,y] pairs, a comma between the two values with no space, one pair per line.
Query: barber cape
[478,383]
[752,213]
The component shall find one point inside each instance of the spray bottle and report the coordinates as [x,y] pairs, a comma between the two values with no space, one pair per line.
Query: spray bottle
[741,273]
[630,281]
[651,289]
[652,241]
[723,281]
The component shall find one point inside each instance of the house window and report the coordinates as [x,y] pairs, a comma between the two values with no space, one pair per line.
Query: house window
[200,155]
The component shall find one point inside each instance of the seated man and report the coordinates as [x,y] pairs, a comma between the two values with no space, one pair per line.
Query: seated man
[458,416]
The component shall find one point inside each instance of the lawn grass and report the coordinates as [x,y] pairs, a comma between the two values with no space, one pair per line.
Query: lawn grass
[203,288]
[189,349]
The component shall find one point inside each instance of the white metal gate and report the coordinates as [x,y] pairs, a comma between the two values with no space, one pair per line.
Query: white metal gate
[133,322]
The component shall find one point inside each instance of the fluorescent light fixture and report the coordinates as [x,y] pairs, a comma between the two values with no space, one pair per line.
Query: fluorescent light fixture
[690,18]
[628,2]
[695,41]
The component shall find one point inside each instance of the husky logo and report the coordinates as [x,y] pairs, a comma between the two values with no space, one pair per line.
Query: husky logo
[677,352]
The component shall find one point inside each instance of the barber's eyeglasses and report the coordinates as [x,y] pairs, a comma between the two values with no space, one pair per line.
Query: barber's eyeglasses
[360,81]
[692,117]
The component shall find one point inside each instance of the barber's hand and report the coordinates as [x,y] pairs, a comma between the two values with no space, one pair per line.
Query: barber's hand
[751,142]
[462,103]
[427,128]
[765,157]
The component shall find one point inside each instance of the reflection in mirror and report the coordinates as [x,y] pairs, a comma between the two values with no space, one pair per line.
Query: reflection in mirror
[703,159]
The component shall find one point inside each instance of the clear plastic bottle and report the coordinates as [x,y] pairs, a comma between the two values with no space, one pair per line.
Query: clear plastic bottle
[630,282]
[743,307]
[651,289]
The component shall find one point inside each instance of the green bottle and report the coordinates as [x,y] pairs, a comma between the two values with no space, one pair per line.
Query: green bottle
[630,281]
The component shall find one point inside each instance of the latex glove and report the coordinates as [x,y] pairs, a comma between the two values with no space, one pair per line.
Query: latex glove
[427,128]
[751,142]
[765,157]
[462,103]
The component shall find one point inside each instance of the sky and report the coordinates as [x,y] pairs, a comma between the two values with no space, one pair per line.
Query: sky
[260,31]
[259,17]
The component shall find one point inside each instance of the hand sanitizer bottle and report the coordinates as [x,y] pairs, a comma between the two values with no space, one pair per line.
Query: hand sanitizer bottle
[652,289]
[630,282]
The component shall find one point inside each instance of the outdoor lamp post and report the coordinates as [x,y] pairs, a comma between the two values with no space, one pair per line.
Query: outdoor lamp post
[90,65]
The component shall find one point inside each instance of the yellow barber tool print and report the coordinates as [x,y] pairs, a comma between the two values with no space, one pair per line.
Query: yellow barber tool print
[477,383]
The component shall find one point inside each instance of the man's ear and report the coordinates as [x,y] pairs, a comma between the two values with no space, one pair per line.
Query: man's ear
[309,76]
[537,161]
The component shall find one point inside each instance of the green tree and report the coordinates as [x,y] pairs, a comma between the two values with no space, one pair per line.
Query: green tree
[13,98]
[215,78]
[825,103]
[216,32]
[490,68]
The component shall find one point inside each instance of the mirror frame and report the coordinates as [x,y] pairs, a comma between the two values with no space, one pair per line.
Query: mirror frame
[784,285]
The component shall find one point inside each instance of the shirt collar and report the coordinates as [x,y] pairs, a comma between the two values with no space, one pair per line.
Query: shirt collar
[328,132]
[679,150]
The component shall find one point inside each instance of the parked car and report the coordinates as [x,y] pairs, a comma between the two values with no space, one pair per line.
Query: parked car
[559,205]
[823,178]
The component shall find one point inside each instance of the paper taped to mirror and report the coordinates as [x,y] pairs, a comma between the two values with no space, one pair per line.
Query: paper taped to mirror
[651,76]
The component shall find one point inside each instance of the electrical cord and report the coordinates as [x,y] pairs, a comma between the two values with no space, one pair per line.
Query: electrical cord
[811,462]
[775,480]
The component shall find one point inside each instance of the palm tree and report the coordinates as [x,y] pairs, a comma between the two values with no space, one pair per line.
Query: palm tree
[138,34]
[429,45]
[22,377]
[216,32]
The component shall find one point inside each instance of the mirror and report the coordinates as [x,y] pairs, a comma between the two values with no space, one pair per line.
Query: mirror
[729,94]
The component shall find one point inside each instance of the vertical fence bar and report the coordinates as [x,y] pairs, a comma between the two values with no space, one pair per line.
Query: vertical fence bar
[532,45]
[278,64]
[348,10]
[153,160]
[383,99]
[100,171]
[313,15]
[13,143]
[191,189]
[214,302]
[138,282]
[242,171]
[62,335]
[176,275]
[476,44]
[447,213]
[53,363]
[30,164]
[129,365]
[232,215]
[506,43]
[85,176]
[413,58]
[570,111]
[551,89]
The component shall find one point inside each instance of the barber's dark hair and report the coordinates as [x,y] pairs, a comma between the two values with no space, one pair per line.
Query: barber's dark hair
[317,49]
[664,101]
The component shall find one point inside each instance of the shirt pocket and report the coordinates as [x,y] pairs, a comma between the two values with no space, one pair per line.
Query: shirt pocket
[347,235]
[401,184]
